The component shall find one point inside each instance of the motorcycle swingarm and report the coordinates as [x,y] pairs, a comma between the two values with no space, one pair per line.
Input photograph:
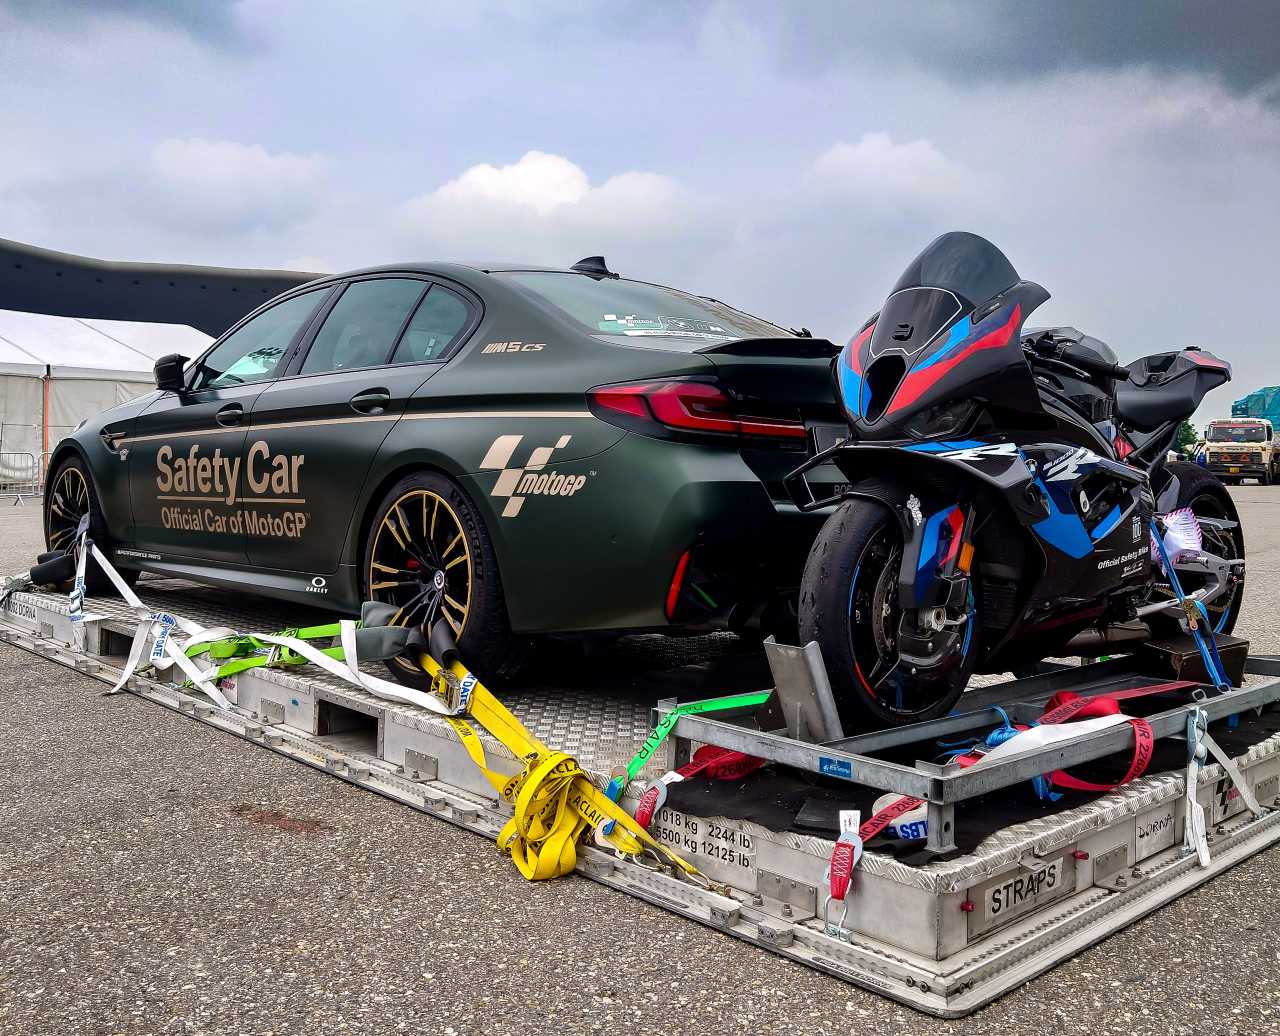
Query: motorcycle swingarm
[1221,576]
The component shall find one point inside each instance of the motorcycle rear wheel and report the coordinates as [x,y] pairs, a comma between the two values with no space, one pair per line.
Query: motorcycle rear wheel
[848,604]
[1207,497]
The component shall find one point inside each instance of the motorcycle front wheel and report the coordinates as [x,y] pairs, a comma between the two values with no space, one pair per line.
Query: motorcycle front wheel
[849,605]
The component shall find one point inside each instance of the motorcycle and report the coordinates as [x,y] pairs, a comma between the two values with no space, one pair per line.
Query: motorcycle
[1002,493]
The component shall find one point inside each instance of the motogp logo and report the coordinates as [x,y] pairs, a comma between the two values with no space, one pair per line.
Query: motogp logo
[532,479]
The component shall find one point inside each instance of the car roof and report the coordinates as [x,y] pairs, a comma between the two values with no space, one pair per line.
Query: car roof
[443,267]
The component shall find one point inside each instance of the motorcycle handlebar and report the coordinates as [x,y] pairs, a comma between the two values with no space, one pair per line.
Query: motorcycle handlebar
[1078,358]
[1090,363]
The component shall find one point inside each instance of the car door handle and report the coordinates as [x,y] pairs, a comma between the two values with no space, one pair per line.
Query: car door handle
[371,401]
[231,414]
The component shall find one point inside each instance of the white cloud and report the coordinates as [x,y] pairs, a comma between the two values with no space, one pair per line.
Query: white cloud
[222,185]
[539,181]
[876,170]
[545,206]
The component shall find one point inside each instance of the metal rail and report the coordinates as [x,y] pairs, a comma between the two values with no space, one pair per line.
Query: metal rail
[942,786]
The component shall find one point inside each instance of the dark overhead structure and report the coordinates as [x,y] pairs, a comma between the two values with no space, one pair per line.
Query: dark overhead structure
[208,298]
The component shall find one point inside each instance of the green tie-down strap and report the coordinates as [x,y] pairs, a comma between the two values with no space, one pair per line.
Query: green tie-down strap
[236,654]
[375,641]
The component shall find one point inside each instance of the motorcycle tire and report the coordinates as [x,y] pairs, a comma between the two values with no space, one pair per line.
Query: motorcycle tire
[846,605]
[1207,497]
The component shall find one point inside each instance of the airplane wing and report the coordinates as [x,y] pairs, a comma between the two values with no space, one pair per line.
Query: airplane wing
[208,298]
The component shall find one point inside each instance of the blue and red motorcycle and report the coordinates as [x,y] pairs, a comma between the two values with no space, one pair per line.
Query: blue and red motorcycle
[1001,486]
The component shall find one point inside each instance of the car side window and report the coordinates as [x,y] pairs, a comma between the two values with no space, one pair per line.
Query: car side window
[436,325]
[361,329]
[253,352]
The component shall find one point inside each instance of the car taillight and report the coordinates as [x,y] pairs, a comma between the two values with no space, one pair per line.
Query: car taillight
[684,406]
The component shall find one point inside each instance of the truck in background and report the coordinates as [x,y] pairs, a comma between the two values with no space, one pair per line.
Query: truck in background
[1242,447]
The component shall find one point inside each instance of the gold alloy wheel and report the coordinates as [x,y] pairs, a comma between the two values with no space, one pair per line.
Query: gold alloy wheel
[420,553]
[68,503]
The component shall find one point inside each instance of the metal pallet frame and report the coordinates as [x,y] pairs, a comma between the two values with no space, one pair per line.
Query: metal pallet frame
[942,786]
[910,938]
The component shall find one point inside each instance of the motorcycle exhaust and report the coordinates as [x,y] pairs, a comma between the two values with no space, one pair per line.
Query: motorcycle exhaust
[1087,642]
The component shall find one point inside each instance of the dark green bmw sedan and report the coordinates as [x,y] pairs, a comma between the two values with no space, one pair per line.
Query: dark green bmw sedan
[522,451]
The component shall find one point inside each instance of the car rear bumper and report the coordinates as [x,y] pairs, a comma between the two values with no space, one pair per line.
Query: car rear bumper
[601,553]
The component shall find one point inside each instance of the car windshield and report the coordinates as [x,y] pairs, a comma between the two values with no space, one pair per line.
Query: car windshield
[636,309]
[1237,433]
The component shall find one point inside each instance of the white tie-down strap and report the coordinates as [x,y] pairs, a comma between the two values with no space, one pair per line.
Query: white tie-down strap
[349,670]
[75,599]
[1046,734]
[157,627]
[166,652]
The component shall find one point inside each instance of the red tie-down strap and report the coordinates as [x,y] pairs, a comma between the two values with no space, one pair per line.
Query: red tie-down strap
[719,764]
[844,857]
[1062,708]
[1144,741]
[904,805]
[1067,705]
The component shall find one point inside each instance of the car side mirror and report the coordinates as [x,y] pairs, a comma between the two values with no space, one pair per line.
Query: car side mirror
[169,373]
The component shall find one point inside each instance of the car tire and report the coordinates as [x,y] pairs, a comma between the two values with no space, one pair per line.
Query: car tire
[434,510]
[67,492]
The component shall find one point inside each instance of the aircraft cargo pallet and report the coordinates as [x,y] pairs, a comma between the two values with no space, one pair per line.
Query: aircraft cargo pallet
[1005,886]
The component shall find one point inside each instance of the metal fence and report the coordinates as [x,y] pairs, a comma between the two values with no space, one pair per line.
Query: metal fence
[21,476]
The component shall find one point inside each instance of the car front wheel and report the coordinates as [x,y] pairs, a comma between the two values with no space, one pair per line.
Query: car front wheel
[69,495]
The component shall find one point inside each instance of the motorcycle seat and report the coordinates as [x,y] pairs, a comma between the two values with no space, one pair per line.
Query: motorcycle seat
[1167,387]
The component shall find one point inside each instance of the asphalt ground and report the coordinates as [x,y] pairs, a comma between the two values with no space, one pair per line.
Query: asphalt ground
[157,876]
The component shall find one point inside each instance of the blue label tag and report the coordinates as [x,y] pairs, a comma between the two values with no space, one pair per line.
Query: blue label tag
[468,684]
[167,623]
[835,767]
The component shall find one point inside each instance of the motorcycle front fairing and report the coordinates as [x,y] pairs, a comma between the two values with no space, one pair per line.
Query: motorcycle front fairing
[945,346]
[1085,518]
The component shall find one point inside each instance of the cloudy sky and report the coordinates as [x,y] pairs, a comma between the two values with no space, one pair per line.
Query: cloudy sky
[791,161]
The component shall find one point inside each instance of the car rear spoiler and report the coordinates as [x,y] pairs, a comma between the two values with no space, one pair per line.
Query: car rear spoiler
[798,347]
[208,298]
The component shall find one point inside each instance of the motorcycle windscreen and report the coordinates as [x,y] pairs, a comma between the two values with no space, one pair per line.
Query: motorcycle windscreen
[949,329]
[965,264]
[955,274]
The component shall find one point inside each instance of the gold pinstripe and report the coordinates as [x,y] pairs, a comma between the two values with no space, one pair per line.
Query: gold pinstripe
[438,416]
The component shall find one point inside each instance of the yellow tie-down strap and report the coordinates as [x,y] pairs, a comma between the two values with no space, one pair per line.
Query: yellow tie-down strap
[553,798]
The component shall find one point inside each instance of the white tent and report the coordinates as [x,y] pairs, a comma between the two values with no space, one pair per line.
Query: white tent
[57,371]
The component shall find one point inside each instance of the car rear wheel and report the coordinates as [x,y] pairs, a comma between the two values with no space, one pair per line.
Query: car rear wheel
[70,494]
[429,554]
